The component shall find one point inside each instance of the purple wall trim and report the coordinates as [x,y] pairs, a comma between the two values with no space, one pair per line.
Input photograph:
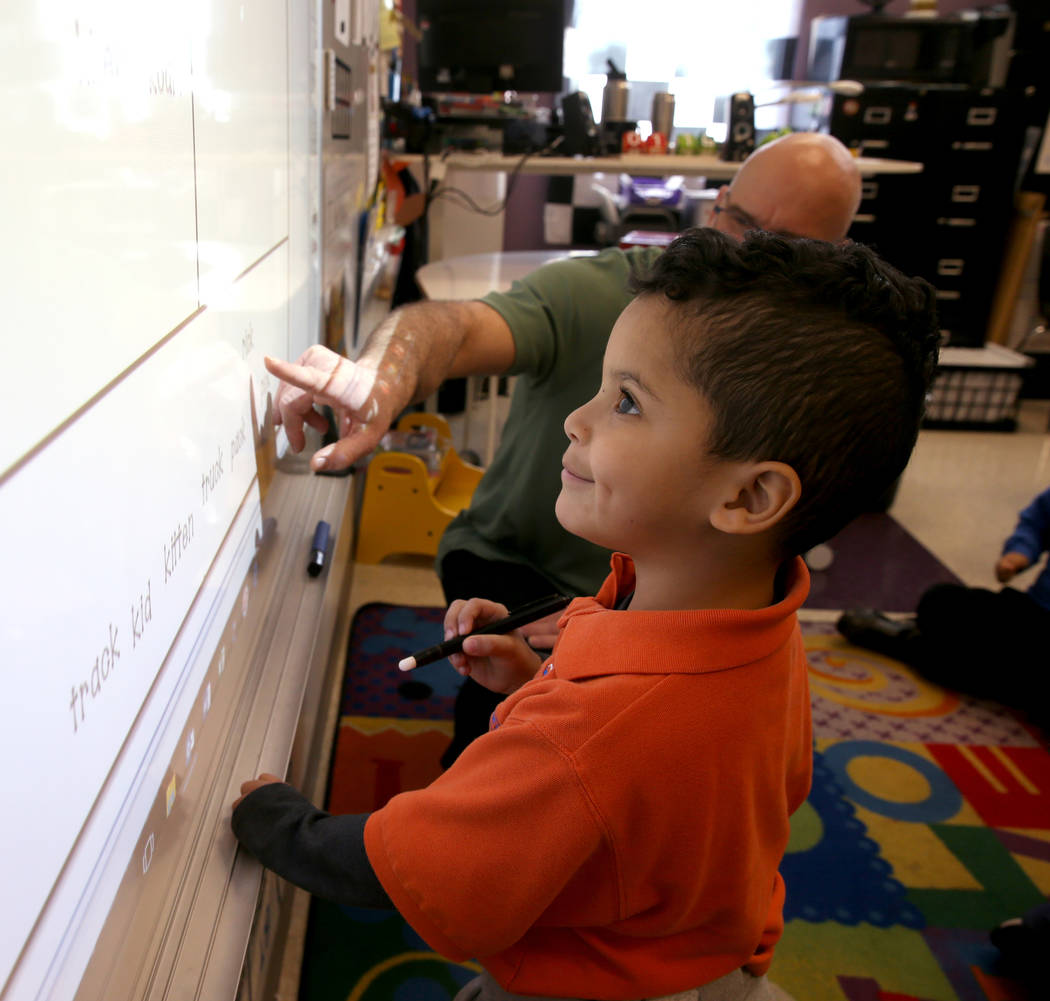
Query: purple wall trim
[522,223]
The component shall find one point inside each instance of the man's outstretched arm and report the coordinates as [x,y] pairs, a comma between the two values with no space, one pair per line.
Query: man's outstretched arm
[404,360]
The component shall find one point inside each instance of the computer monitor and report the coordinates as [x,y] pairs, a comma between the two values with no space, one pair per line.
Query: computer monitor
[478,47]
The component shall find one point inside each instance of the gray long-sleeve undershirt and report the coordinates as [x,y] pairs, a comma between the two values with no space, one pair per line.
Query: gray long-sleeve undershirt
[317,851]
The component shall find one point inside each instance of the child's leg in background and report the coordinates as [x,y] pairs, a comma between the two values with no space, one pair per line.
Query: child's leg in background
[985,643]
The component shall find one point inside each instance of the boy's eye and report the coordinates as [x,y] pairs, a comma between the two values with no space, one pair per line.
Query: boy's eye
[625,404]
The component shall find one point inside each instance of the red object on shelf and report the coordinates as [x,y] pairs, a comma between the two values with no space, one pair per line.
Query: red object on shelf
[631,142]
[656,143]
[646,238]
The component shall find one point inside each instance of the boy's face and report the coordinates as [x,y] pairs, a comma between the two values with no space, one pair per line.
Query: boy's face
[636,476]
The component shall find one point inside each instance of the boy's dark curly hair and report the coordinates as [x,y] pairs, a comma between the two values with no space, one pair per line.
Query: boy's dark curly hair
[812,354]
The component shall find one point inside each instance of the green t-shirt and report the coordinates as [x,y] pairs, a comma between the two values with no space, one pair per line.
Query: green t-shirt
[560,316]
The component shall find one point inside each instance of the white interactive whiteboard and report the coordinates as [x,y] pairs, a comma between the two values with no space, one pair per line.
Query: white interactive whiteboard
[159,190]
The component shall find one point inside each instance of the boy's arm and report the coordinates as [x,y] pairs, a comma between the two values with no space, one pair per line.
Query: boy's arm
[317,851]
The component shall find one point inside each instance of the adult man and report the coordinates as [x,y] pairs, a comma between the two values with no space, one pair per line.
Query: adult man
[550,330]
[803,184]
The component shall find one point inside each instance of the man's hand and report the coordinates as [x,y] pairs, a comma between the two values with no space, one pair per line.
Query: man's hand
[541,634]
[502,662]
[1009,565]
[363,403]
[404,360]
[251,785]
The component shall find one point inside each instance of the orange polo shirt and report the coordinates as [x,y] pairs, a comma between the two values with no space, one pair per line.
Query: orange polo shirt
[617,833]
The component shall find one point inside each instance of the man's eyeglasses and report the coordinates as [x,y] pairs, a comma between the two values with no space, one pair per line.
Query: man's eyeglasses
[739,220]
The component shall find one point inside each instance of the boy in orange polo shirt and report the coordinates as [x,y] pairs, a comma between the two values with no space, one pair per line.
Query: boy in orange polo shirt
[617,833]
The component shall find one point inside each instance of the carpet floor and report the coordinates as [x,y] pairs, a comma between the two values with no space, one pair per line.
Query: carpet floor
[928,822]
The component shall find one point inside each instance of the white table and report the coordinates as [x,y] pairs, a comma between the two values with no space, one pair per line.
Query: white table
[470,277]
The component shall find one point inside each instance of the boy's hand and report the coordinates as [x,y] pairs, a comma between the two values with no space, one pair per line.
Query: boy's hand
[251,785]
[502,662]
[1009,565]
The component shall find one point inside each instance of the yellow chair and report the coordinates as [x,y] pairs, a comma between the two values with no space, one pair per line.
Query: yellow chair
[405,507]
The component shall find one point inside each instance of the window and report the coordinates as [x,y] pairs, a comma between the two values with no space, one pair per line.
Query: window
[700,52]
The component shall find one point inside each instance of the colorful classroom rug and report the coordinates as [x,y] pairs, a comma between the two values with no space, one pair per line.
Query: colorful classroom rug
[928,824]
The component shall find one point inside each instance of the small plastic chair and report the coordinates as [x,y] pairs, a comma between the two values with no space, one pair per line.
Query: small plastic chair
[406,508]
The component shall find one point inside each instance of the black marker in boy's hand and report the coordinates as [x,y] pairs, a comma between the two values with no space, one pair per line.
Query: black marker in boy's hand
[518,618]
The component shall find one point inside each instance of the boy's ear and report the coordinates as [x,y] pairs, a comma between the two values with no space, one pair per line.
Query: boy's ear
[764,494]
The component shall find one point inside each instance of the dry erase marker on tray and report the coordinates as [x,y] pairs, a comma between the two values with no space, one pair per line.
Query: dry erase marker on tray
[518,618]
[318,549]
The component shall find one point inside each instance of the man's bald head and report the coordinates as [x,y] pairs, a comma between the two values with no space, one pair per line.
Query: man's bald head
[802,184]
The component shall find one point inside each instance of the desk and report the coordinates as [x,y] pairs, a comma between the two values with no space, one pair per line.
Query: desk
[455,230]
[470,277]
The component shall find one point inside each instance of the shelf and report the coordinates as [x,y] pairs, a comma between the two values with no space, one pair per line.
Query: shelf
[639,164]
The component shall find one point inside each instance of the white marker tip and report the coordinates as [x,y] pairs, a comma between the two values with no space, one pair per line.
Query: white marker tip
[407,664]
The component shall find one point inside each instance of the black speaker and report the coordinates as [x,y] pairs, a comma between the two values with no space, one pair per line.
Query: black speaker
[740,131]
[580,133]
[522,135]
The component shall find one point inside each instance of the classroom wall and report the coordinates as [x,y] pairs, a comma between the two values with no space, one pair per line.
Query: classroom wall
[523,228]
